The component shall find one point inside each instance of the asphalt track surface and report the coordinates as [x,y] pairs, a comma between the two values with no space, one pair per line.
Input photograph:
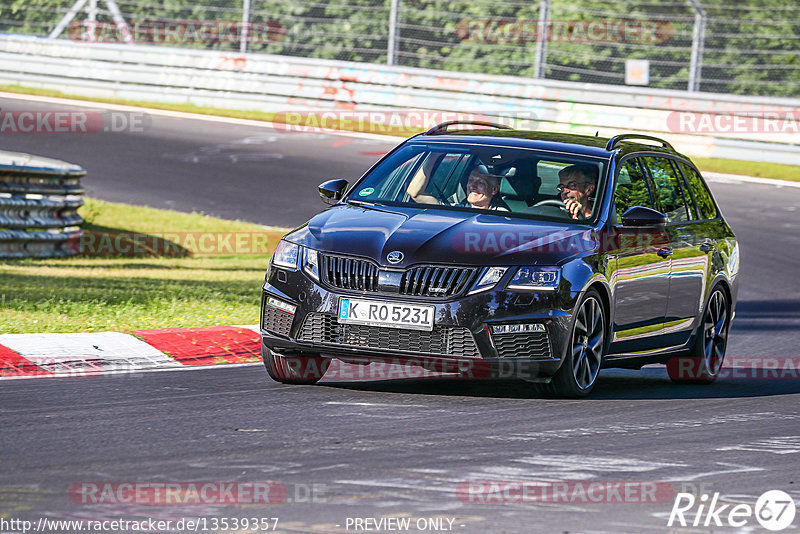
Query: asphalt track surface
[399,447]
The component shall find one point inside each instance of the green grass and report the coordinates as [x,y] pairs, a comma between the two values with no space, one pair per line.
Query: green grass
[92,292]
[731,166]
[776,171]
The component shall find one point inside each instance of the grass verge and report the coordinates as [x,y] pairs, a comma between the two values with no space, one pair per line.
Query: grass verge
[777,171]
[731,166]
[95,291]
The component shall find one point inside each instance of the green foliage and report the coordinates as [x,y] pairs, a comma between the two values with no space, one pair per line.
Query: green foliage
[750,48]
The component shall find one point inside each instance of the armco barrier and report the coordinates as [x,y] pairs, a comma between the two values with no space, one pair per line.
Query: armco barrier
[39,199]
[279,83]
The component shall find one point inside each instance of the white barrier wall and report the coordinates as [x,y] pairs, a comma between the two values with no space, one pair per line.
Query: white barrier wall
[704,124]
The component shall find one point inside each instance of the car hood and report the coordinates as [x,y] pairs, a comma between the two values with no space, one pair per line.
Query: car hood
[442,236]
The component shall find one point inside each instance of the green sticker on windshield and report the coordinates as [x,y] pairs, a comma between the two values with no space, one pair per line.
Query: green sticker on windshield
[367,191]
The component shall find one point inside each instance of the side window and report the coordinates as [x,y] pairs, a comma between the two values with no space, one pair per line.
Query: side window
[631,190]
[668,189]
[702,197]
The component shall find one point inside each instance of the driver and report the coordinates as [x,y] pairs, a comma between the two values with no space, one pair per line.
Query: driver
[577,185]
[482,189]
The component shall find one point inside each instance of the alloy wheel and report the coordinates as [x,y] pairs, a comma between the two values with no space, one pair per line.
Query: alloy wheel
[588,336]
[715,333]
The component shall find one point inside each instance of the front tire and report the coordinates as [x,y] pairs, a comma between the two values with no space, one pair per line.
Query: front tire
[704,362]
[584,353]
[299,370]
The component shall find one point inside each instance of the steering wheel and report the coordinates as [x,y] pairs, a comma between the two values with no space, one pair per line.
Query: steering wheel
[552,202]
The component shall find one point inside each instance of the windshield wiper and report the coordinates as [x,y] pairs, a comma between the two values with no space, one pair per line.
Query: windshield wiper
[365,203]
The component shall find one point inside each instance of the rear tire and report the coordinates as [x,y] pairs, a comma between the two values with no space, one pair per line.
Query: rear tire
[705,359]
[584,353]
[300,370]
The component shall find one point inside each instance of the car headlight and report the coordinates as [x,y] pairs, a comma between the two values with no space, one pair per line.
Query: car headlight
[536,278]
[489,279]
[286,255]
[311,263]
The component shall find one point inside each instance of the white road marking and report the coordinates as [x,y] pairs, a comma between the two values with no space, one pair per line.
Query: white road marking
[738,179]
[736,468]
[337,403]
[630,428]
[776,445]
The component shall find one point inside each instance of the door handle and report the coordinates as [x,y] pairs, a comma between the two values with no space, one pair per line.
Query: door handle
[664,252]
[706,247]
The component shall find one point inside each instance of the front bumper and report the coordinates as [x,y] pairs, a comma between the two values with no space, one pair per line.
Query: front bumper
[463,337]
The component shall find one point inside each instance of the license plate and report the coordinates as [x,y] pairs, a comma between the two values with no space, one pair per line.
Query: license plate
[387,314]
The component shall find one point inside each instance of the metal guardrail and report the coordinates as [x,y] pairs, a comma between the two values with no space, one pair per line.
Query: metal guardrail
[39,199]
[280,83]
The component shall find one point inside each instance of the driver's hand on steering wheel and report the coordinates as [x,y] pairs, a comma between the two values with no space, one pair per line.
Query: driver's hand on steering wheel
[574,208]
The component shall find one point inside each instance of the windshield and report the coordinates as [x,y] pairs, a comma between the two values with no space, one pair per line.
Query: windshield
[506,181]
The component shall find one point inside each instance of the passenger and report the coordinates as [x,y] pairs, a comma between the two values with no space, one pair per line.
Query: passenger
[577,186]
[482,189]
[482,192]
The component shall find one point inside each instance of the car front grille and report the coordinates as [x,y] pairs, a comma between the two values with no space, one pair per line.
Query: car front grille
[349,273]
[430,281]
[421,281]
[275,320]
[443,340]
[531,345]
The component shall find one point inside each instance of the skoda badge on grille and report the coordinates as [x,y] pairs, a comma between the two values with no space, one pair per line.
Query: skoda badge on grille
[394,257]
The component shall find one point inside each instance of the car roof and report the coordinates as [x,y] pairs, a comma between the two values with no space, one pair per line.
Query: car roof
[561,142]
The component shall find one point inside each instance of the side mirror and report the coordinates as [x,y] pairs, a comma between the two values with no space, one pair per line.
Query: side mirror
[641,216]
[332,191]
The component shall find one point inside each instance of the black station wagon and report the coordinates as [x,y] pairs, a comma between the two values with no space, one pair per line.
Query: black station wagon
[487,248]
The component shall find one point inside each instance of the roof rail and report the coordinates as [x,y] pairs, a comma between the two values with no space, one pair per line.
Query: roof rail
[442,128]
[617,138]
